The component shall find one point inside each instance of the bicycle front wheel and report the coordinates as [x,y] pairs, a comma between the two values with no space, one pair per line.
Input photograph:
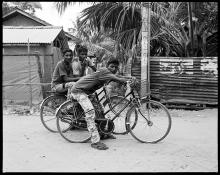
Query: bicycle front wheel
[152,121]
[47,111]
[71,123]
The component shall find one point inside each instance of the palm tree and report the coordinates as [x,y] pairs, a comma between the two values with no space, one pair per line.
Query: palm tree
[168,23]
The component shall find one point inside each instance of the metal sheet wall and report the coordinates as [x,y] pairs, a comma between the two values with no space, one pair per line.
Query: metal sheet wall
[176,80]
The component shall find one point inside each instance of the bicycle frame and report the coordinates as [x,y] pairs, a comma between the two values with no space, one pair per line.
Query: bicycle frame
[133,100]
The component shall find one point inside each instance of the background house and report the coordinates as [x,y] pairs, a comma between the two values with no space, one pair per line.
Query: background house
[31,49]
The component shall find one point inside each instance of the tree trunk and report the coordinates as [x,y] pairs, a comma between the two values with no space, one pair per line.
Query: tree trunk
[190,29]
[194,41]
[145,49]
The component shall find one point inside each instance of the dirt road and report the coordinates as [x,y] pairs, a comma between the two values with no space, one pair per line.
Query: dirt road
[191,146]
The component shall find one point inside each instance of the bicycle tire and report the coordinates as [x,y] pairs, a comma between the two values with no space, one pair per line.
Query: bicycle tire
[48,109]
[68,123]
[119,122]
[155,130]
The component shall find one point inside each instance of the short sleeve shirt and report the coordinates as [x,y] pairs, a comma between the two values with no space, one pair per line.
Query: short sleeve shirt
[92,82]
[60,71]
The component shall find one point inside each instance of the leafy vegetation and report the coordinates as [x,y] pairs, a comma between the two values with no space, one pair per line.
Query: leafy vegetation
[170,29]
[26,6]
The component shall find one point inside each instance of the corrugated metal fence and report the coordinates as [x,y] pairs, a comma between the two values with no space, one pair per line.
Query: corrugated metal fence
[182,80]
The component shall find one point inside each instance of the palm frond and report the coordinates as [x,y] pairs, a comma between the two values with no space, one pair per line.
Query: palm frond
[123,22]
[61,6]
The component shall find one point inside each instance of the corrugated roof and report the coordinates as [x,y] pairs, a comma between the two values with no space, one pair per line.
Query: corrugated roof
[22,12]
[35,34]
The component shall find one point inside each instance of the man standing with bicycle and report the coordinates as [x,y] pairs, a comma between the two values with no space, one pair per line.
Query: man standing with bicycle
[88,85]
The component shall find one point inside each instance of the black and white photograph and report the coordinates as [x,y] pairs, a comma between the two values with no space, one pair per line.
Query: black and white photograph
[100,87]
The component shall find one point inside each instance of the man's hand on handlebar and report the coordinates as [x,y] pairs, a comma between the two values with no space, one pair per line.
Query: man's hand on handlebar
[132,81]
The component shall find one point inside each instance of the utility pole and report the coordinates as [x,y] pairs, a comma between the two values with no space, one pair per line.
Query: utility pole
[145,48]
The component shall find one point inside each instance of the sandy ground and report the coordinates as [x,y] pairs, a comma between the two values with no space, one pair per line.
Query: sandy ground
[191,146]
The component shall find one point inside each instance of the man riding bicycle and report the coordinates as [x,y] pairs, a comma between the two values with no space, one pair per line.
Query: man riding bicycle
[88,85]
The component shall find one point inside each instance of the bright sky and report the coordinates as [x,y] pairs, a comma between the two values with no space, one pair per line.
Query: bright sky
[50,14]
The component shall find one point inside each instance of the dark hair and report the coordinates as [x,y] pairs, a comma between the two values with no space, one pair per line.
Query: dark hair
[67,50]
[79,48]
[82,49]
[112,60]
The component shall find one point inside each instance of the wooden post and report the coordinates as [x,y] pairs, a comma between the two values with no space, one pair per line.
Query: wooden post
[52,59]
[40,74]
[145,49]
[30,88]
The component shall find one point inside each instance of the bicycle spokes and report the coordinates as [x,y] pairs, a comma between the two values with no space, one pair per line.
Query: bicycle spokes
[152,122]
[48,109]
[66,119]
[71,123]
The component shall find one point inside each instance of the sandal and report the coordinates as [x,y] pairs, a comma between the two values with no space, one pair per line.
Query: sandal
[99,145]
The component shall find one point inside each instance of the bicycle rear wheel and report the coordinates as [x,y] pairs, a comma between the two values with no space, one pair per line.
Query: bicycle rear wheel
[152,121]
[47,111]
[71,123]
[119,122]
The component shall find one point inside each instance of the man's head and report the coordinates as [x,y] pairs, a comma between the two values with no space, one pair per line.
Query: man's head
[112,65]
[94,60]
[82,52]
[68,55]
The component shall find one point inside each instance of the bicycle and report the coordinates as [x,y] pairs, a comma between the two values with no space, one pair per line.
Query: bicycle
[48,108]
[143,115]
[49,105]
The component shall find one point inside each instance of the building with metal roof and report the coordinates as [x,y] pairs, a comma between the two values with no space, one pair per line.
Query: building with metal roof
[18,35]
[31,50]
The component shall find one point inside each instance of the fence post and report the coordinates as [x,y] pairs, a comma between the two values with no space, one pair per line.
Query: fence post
[30,88]
[52,66]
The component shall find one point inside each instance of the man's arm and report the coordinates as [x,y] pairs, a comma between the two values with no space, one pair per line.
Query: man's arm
[70,79]
[121,79]
[127,78]
[120,76]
